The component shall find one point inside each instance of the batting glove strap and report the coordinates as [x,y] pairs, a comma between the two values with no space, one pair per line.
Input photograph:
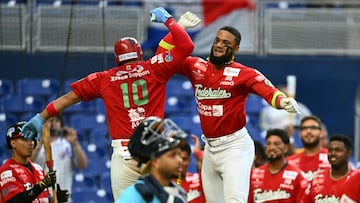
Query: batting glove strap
[33,128]
[49,180]
[159,15]
[189,20]
[289,105]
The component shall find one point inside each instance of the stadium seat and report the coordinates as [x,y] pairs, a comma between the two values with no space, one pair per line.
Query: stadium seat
[176,104]
[87,121]
[183,121]
[179,87]
[38,87]
[90,196]
[6,87]
[19,104]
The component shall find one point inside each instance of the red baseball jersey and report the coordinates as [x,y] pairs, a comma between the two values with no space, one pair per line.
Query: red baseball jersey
[324,189]
[310,164]
[16,178]
[221,94]
[351,189]
[288,185]
[134,91]
[193,186]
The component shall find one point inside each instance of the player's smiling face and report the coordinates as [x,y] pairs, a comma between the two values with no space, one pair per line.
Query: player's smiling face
[275,148]
[337,153]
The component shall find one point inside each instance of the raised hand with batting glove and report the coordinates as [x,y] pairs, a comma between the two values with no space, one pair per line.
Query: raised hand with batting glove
[289,104]
[33,128]
[189,20]
[159,15]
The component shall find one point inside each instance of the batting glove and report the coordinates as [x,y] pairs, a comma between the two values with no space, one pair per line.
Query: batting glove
[159,15]
[49,180]
[33,128]
[289,104]
[62,195]
[189,20]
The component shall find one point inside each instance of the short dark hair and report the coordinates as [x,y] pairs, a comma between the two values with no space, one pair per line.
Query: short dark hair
[280,133]
[342,138]
[233,31]
[311,117]
[186,147]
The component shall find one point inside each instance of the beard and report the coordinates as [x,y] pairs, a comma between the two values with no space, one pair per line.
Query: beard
[274,158]
[311,144]
[221,60]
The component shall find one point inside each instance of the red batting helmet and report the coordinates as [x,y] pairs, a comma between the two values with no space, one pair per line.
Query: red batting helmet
[127,48]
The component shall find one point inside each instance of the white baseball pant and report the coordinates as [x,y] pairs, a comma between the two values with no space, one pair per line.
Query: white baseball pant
[226,167]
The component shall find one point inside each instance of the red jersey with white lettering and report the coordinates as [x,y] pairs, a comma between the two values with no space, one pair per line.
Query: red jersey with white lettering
[134,91]
[288,185]
[325,189]
[221,94]
[351,189]
[16,178]
[193,187]
[310,164]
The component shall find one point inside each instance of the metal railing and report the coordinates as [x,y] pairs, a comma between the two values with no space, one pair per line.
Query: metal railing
[273,28]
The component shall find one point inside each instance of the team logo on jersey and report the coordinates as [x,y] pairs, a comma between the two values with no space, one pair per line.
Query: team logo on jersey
[268,83]
[168,57]
[208,93]
[229,71]
[6,174]
[136,116]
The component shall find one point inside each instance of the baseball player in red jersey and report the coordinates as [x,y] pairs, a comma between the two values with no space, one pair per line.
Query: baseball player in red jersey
[327,184]
[277,181]
[351,189]
[313,158]
[191,182]
[221,87]
[21,180]
[133,90]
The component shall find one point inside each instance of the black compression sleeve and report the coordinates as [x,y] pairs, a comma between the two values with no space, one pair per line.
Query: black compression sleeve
[27,196]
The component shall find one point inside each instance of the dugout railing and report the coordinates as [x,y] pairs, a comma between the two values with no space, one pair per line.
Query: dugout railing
[273,28]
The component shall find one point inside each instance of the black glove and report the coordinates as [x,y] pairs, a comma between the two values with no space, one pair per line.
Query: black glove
[62,195]
[49,180]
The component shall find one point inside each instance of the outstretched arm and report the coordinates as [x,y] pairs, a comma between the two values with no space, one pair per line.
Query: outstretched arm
[33,128]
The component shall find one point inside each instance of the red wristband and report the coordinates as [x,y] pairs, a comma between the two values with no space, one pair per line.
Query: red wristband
[50,108]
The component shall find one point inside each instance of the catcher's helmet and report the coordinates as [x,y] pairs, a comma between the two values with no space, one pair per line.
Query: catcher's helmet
[127,48]
[14,132]
[153,137]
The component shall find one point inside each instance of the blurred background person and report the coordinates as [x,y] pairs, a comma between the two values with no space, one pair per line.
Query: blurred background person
[314,157]
[21,179]
[67,152]
[260,156]
[277,181]
[191,182]
[327,184]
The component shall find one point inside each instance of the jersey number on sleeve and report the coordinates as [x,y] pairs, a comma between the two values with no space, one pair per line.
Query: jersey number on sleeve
[139,98]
